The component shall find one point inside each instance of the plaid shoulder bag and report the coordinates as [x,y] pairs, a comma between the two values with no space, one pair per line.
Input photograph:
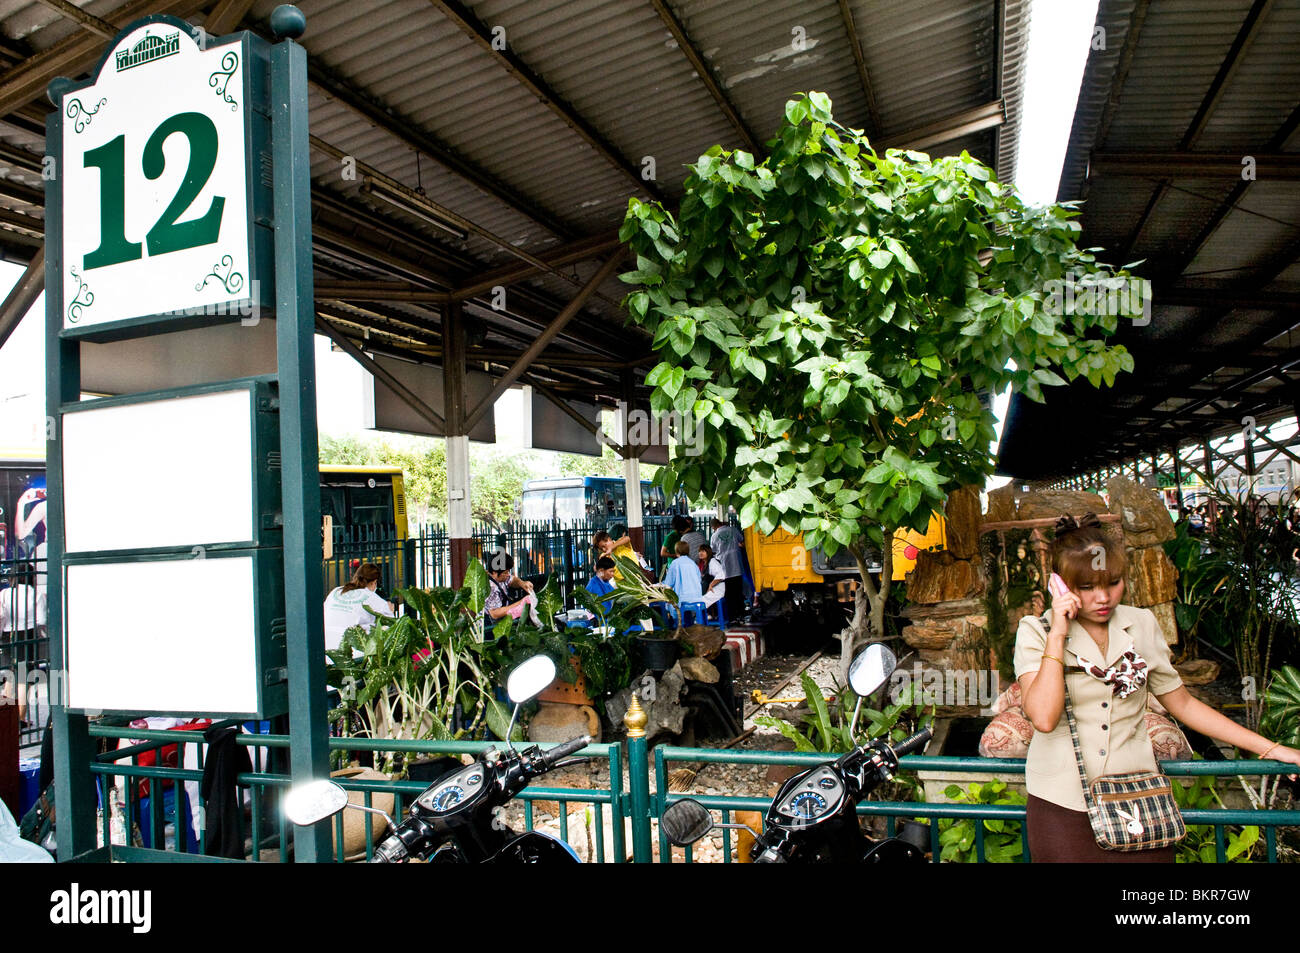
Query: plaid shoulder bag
[1134,811]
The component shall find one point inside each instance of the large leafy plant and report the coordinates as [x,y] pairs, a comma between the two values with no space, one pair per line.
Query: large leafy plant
[1003,840]
[828,318]
[427,675]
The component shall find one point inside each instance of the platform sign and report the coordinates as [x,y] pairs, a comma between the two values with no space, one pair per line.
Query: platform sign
[165,209]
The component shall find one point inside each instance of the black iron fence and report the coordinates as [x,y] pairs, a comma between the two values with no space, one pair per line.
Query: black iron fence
[24,646]
[540,549]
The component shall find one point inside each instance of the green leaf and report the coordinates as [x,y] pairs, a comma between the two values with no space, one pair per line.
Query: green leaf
[475,587]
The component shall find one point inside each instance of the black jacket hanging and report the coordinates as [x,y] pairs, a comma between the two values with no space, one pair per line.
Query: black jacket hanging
[225,762]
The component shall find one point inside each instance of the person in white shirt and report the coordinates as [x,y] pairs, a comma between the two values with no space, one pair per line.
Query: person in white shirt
[346,605]
[714,574]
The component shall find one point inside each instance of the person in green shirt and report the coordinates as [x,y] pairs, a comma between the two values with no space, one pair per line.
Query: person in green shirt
[668,551]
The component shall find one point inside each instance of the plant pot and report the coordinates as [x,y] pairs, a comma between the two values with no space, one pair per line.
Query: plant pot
[354,822]
[658,653]
[572,693]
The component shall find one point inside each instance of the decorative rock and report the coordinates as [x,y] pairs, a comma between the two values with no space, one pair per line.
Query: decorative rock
[699,670]
[1164,613]
[1199,671]
[705,640]
[934,614]
[1002,504]
[963,530]
[1050,504]
[928,637]
[942,577]
[1145,520]
[664,710]
[1150,578]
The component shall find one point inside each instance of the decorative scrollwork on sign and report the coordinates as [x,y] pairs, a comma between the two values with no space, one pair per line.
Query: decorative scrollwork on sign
[77,111]
[232,280]
[78,303]
[220,79]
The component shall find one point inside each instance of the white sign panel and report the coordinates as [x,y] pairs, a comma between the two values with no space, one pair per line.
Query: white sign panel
[164,635]
[163,473]
[155,189]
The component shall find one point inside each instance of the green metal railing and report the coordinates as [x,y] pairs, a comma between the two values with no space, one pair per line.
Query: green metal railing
[610,808]
[893,811]
[269,830]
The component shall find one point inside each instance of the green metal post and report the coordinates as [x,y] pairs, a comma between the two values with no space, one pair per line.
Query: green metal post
[638,774]
[295,348]
[74,784]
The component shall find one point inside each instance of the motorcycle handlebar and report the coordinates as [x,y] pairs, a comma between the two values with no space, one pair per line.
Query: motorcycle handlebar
[557,754]
[908,745]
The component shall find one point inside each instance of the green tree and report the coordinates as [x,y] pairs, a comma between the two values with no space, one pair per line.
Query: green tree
[497,481]
[832,315]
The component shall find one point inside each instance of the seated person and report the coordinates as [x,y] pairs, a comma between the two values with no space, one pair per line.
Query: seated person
[715,578]
[684,578]
[500,567]
[600,585]
[605,545]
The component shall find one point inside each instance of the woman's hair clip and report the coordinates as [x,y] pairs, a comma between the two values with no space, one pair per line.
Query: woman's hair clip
[1068,524]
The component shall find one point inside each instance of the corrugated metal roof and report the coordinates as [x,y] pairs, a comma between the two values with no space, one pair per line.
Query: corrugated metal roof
[1203,77]
[527,177]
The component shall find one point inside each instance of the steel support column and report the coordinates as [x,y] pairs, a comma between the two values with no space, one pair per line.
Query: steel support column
[458,502]
[631,464]
[299,452]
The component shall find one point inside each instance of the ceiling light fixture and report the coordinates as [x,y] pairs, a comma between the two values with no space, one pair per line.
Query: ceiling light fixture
[412,203]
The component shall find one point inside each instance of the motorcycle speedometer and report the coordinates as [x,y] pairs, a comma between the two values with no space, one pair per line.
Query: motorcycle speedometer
[806,804]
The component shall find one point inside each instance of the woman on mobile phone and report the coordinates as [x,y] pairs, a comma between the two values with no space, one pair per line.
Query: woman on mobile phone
[1112,655]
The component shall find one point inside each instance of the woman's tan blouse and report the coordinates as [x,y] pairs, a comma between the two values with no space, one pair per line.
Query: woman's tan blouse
[1112,730]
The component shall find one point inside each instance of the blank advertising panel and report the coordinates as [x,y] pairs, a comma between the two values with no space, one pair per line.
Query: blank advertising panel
[166,635]
[161,473]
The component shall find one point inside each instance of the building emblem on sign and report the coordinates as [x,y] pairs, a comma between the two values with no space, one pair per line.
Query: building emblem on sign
[147,50]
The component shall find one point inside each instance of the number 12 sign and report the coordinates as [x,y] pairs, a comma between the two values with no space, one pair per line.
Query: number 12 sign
[164,169]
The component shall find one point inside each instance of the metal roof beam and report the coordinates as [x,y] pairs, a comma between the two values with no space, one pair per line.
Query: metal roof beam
[381,374]
[705,74]
[23,295]
[226,16]
[1236,53]
[581,250]
[545,338]
[965,123]
[405,130]
[72,12]
[77,54]
[1277,166]
[474,28]
[864,78]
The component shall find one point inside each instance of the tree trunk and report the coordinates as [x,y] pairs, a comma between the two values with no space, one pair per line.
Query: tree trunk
[868,622]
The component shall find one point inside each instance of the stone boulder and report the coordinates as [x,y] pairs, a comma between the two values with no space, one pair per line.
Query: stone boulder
[705,640]
[1199,671]
[1052,504]
[1145,520]
[1164,613]
[1150,578]
[929,636]
[963,515]
[1002,504]
[660,697]
[700,670]
[942,577]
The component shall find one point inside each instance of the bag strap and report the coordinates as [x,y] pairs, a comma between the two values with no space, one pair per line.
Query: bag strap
[1078,751]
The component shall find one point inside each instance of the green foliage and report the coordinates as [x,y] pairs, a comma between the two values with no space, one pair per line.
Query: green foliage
[825,727]
[1200,582]
[880,293]
[1198,846]
[1003,843]
[606,660]
[1281,717]
[408,674]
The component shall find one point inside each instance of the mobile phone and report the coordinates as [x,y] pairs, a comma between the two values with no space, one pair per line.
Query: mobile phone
[1057,585]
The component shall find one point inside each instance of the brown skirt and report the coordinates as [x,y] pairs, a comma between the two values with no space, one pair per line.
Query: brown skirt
[1058,835]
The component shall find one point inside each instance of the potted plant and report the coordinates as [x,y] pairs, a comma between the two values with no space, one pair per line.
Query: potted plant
[427,675]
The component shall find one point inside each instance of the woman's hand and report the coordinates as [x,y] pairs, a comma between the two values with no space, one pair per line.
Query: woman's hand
[1289,755]
[1064,608]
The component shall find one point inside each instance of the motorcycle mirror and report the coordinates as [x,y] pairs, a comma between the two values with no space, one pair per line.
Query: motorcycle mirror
[871,669]
[686,822]
[314,801]
[529,678]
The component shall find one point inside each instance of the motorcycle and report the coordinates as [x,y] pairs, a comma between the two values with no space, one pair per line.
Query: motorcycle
[456,819]
[813,818]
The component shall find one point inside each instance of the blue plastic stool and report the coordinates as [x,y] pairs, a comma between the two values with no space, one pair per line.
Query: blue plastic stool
[721,622]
